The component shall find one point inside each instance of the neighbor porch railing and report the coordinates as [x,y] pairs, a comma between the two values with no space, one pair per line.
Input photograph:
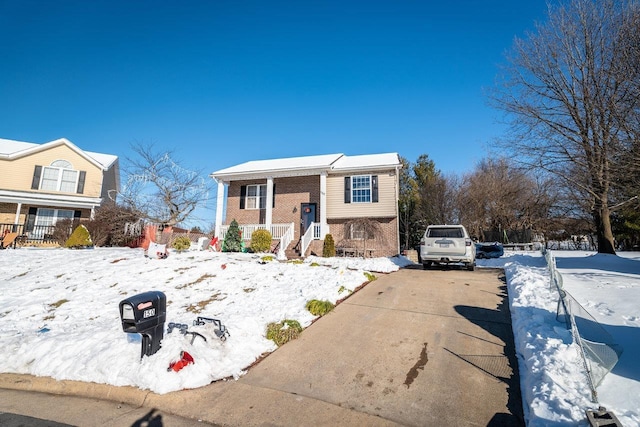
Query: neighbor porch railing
[34,234]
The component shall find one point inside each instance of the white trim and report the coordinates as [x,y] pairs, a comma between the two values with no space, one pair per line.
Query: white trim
[18,209]
[324,229]
[269,203]
[59,200]
[219,208]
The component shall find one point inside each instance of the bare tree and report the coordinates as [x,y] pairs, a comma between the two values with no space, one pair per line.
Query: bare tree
[499,196]
[160,188]
[366,230]
[571,92]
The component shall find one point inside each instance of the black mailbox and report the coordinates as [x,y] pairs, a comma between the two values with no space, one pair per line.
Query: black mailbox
[145,314]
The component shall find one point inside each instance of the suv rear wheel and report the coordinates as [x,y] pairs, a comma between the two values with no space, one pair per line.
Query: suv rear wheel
[426,265]
[471,266]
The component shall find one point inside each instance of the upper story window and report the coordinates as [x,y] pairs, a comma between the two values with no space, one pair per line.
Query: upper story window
[59,176]
[361,189]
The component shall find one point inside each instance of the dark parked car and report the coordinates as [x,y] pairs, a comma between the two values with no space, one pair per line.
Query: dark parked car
[489,250]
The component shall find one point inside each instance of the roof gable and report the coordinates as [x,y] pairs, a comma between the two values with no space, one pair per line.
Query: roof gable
[10,149]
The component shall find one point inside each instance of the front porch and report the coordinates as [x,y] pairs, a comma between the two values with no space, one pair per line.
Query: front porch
[283,234]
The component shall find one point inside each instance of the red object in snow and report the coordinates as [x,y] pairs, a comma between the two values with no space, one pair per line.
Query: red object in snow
[223,266]
[213,244]
[185,359]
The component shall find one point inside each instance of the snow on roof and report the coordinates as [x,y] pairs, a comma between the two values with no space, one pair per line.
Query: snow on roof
[290,163]
[11,148]
[367,161]
[311,164]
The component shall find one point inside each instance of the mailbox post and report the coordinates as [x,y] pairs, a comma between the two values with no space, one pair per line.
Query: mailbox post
[145,314]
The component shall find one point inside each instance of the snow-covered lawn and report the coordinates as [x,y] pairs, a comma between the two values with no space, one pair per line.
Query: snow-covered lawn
[59,317]
[59,310]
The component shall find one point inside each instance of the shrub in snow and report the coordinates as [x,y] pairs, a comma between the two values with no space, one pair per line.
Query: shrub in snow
[80,238]
[267,258]
[370,276]
[233,239]
[261,240]
[329,247]
[283,332]
[319,308]
[181,243]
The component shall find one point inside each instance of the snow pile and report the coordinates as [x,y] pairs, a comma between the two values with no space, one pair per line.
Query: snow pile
[553,381]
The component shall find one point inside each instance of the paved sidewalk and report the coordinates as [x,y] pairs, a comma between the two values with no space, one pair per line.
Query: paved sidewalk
[414,348]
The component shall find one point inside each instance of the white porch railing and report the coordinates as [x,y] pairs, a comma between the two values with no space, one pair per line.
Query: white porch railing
[285,239]
[277,230]
[282,232]
[312,233]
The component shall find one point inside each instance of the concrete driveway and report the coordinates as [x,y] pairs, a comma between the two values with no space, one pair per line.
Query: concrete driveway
[414,348]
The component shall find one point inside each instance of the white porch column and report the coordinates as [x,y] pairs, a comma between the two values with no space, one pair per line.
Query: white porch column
[323,205]
[17,219]
[219,207]
[268,219]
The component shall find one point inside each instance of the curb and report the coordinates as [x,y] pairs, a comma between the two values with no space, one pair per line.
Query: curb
[126,394]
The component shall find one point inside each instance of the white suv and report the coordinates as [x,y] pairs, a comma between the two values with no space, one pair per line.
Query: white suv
[446,244]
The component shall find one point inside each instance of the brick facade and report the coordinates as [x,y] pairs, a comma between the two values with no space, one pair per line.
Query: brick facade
[290,193]
[384,244]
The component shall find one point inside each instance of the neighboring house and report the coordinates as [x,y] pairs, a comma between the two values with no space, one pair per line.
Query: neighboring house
[302,199]
[42,183]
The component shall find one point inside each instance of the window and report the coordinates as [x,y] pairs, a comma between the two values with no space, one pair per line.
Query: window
[256,197]
[51,216]
[361,189]
[360,231]
[59,176]
[453,233]
[40,226]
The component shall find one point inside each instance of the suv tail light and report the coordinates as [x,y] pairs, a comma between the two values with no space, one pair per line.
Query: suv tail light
[467,242]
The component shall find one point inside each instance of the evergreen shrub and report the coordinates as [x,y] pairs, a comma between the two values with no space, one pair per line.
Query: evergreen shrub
[329,247]
[233,239]
[181,243]
[80,238]
[261,240]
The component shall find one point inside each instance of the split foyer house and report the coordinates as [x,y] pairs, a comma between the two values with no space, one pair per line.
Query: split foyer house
[42,183]
[301,199]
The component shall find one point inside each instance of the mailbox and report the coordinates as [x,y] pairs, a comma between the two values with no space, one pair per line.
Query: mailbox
[145,314]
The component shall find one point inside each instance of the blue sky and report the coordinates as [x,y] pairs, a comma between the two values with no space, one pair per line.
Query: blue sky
[223,82]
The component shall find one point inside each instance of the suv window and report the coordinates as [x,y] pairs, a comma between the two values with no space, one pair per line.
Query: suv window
[446,232]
